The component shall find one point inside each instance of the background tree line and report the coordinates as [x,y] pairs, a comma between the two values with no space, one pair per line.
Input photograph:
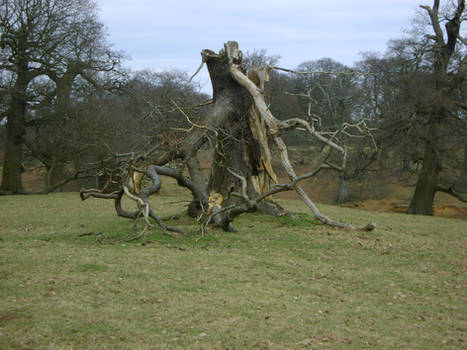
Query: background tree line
[68,104]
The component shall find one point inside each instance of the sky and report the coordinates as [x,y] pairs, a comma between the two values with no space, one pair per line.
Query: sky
[170,34]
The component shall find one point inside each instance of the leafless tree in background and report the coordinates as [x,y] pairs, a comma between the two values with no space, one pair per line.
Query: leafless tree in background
[49,43]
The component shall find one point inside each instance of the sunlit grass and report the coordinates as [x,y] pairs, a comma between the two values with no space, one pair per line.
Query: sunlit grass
[278,283]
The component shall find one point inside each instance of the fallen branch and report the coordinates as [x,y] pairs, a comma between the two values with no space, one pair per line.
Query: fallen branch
[274,126]
[144,208]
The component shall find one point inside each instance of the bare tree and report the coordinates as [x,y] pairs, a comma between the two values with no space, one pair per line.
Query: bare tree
[57,39]
[331,92]
[447,77]
[243,133]
[416,95]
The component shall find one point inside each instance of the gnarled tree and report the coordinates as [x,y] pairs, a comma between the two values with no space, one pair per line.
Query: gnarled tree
[440,109]
[41,42]
[243,134]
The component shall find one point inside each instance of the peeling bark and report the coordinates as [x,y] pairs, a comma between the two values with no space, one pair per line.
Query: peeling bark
[274,127]
[241,143]
[242,131]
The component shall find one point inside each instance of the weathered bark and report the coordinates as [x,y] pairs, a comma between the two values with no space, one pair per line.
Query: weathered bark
[425,190]
[12,164]
[438,107]
[195,207]
[238,144]
[242,130]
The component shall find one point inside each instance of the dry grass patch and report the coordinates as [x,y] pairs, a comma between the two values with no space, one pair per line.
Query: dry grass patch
[276,284]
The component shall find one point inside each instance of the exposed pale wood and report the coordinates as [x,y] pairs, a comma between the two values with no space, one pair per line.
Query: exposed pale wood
[142,199]
[274,126]
[239,115]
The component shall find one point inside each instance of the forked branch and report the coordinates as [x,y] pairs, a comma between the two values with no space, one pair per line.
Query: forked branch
[274,126]
[144,211]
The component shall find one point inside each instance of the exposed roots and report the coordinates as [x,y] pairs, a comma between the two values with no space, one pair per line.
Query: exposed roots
[144,212]
[242,130]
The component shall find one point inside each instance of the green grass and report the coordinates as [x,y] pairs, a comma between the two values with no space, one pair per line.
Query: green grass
[278,283]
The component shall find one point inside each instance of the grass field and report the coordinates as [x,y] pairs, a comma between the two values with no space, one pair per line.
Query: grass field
[278,283]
